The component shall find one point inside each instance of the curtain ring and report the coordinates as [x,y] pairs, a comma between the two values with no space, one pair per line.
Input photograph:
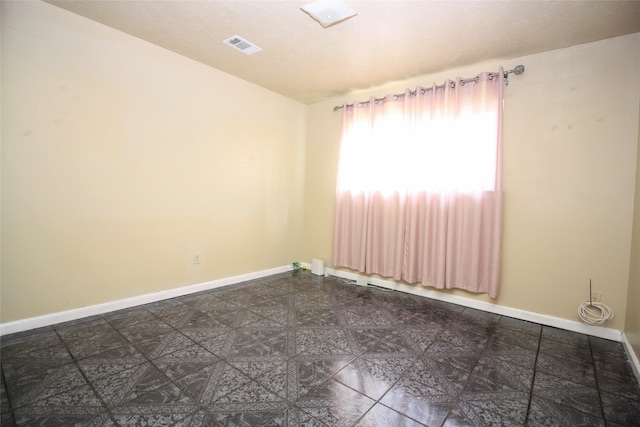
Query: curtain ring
[453,85]
[461,82]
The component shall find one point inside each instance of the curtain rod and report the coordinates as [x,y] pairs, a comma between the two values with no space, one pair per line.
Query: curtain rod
[517,70]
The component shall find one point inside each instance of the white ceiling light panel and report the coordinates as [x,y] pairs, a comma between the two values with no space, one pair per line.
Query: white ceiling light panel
[329,12]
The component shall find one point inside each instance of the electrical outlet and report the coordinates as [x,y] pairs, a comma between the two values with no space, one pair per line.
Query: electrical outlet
[596,296]
[196,258]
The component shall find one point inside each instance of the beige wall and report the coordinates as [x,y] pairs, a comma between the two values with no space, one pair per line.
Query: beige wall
[571,140]
[121,159]
[632,325]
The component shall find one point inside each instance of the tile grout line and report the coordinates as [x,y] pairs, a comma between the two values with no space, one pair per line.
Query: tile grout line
[595,376]
[484,349]
[198,404]
[9,399]
[533,379]
[74,361]
[288,328]
[291,330]
[413,363]
[148,361]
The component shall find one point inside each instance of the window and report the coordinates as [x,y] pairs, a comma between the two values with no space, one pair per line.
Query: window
[419,193]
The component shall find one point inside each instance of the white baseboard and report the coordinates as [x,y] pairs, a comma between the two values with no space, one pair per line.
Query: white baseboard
[65,316]
[543,319]
[633,358]
[78,313]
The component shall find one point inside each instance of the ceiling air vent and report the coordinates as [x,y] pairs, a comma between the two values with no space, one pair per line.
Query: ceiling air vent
[242,45]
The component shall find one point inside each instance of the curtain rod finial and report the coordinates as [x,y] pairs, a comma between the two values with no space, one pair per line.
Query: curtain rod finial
[519,69]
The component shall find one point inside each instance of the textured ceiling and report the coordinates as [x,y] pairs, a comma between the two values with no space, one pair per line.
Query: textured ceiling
[386,41]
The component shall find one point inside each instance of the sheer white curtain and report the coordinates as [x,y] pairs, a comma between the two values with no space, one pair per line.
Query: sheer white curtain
[419,193]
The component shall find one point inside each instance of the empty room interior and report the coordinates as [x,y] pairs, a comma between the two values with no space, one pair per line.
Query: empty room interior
[170,248]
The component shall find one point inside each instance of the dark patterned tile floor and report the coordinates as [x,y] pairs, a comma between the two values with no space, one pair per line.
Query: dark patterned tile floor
[301,350]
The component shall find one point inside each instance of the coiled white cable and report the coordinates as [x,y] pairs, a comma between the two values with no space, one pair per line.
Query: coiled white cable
[594,313]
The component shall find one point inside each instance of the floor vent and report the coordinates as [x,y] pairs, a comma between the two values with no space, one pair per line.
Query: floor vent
[242,45]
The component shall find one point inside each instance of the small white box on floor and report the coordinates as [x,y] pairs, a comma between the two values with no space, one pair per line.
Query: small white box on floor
[317,267]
